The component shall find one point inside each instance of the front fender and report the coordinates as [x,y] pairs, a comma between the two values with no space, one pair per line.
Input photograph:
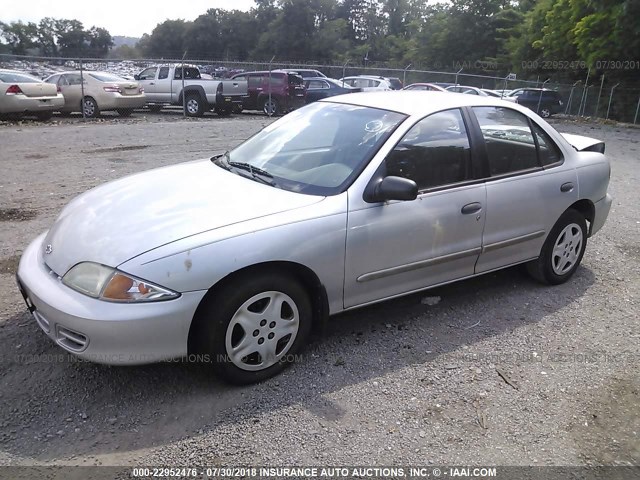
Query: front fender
[312,236]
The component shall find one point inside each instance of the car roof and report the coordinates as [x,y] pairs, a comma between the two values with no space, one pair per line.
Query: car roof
[419,102]
[373,77]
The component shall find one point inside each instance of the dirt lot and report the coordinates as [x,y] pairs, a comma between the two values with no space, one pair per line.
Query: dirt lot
[500,371]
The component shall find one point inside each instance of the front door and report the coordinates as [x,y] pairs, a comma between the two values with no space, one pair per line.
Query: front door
[401,246]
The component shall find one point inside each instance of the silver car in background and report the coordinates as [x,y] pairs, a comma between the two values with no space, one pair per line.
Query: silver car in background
[24,94]
[102,91]
[343,203]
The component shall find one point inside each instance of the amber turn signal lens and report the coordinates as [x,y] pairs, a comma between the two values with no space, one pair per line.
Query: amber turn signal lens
[118,288]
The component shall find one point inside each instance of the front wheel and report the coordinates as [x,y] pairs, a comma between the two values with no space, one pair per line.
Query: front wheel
[545,112]
[562,251]
[253,328]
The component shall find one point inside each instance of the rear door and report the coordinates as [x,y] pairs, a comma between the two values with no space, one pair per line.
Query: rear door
[316,89]
[528,187]
[71,87]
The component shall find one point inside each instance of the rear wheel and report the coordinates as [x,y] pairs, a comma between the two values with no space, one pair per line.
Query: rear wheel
[125,112]
[545,112]
[194,105]
[253,327]
[90,108]
[271,107]
[562,251]
[44,116]
[224,111]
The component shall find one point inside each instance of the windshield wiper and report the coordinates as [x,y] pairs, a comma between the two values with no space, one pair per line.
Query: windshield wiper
[257,173]
[219,160]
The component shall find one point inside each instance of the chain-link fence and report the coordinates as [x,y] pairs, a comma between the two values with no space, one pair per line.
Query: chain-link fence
[593,97]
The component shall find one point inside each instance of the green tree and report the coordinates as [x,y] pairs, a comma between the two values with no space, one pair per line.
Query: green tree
[20,37]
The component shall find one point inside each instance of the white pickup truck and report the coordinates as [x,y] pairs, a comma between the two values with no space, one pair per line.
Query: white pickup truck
[163,85]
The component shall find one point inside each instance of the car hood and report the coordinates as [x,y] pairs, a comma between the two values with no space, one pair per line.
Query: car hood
[125,218]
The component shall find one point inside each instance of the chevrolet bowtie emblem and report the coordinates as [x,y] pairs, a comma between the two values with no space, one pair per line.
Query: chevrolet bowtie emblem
[48,249]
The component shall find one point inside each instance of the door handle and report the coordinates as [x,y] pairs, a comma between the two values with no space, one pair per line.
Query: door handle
[471,208]
[151,83]
[566,187]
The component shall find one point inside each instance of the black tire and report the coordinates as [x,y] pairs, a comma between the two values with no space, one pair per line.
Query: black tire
[155,108]
[271,109]
[44,116]
[213,327]
[545,112]
[224,111]
[194,105]
[547,268]
[90,106]
[125,112]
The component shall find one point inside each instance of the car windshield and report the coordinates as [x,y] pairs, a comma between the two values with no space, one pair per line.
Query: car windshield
[10,77]
[317,150]
[107,77]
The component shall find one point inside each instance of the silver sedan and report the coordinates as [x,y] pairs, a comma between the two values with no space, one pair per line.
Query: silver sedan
[343,203]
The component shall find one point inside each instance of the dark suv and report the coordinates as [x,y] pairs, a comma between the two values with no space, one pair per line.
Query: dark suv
[542,101]
[287,91]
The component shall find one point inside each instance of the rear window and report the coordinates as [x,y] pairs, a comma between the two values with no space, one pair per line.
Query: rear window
[10,77]
[395,83]
[189,73]
[106,77]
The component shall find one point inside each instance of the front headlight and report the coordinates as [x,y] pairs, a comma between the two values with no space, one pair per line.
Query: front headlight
[110,284]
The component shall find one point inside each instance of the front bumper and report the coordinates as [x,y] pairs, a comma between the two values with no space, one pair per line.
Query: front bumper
[101,331]
[602,208]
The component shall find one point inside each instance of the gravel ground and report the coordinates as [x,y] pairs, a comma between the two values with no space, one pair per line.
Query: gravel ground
[500,370]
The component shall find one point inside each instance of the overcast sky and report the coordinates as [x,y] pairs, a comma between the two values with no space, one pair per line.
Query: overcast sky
[121,17]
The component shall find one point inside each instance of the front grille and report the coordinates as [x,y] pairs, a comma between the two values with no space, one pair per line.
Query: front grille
[73,341]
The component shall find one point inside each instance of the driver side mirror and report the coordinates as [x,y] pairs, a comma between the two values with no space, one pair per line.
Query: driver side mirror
[136,77]
[395,188]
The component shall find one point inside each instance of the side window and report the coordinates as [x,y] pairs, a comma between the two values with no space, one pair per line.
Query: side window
[509,141]
[148,74]
[548,151]
[74,79]
[163,73]
[434,152]
[240,78]
[53,79]
[277,80]
[254,81]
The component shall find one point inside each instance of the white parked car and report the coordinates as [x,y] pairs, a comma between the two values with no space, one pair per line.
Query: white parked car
[24,94]
[367,83]
[342,203]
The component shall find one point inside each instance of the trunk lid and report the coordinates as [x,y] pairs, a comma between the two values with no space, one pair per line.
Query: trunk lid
[584,144]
